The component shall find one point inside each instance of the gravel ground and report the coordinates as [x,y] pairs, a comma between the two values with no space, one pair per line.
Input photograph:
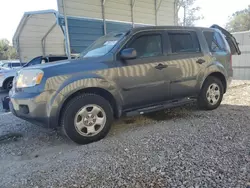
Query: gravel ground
[183,147]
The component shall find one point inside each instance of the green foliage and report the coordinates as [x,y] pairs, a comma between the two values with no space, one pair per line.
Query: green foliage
[239,21]
[190,12]
[6,50]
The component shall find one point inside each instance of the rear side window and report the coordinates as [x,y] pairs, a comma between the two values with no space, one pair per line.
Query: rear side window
[184,42]
[215,41]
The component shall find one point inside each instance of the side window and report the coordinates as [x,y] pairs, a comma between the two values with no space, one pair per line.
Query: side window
[16,65]
[147,46]
[184,42]
[214,41]
[51,59]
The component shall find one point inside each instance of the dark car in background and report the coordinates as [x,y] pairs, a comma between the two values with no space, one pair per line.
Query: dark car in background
[45,59]
[123,74]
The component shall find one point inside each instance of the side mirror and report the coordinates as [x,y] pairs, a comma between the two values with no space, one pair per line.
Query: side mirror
[128,53]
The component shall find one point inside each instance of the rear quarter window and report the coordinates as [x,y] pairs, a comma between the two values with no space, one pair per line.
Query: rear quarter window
[184,42]
[215,41]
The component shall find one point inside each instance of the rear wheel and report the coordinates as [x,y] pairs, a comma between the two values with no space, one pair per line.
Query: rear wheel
[211,94]
[87,118]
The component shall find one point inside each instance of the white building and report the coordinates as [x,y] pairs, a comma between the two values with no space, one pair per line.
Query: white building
[241,63]
[39,33]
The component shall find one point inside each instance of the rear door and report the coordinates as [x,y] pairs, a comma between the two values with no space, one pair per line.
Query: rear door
[233,44]
[185,61]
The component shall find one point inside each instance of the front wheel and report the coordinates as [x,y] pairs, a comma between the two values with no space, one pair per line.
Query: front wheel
[87,118]
[211,94]
[8,84]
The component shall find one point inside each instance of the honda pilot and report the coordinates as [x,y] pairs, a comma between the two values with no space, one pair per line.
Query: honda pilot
[126,73]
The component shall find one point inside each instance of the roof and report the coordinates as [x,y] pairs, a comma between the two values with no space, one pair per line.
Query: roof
[143,28]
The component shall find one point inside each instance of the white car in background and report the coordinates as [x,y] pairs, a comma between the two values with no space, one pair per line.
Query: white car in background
[7,74]
[1,63]
[7,65]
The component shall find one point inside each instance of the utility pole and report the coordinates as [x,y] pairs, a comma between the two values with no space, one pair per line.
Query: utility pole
[185,14]
[68,49]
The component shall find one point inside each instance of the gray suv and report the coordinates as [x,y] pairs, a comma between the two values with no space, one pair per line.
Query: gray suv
[123,74]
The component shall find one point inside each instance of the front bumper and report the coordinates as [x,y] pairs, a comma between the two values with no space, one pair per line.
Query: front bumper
[32,108]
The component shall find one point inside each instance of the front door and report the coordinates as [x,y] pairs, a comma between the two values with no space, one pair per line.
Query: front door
[142,79]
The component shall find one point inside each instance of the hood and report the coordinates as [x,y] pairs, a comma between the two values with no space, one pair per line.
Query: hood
[73,66]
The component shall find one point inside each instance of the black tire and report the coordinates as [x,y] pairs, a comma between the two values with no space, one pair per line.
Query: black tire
[8,83]
[71,109]
[203,102]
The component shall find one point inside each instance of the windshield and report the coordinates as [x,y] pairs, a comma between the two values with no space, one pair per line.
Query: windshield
[102,46]
[35,61]
[5,65]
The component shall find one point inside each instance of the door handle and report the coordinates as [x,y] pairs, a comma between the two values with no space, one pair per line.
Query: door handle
[161,66]
[200,61]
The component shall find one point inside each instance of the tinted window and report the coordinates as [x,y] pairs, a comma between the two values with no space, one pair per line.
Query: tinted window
[147,46]
[214,41]
[51,59]
[184,42]
[16,64]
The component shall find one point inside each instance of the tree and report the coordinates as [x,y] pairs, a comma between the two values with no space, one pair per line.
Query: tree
[190,12]
[239,21]
[6,50]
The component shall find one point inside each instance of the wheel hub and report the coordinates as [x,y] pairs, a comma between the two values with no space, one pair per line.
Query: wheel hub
[90,120]
[213,94]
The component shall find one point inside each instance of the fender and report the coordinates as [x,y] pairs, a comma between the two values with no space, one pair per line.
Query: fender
[72,84]
[214,67]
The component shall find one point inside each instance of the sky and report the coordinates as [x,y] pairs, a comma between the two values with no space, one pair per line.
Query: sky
[11,12]
[218,11]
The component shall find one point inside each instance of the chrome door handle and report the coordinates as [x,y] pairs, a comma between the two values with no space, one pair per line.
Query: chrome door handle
[200,61]
[161,66]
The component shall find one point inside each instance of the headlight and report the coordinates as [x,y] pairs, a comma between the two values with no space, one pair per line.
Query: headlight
[29,78]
